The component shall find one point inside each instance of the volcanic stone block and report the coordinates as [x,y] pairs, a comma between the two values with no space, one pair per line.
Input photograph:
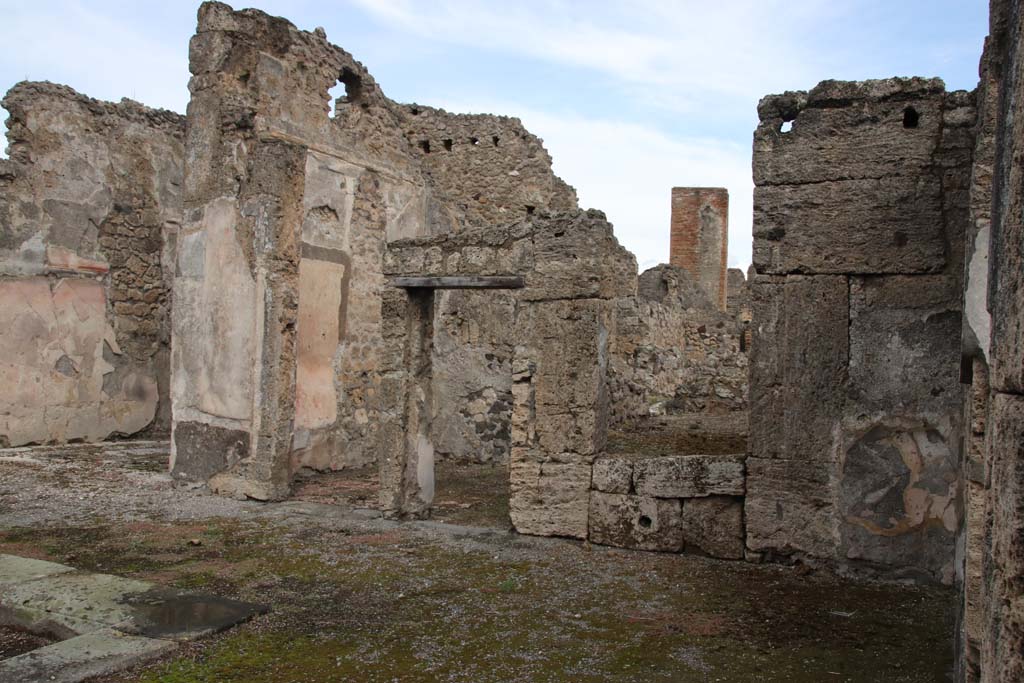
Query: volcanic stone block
[905,344]
[766,367]
[815,356]
[612,475]
[638,522]
[849,130]
[714,526]
[1006,619]
[1006,289]
[789,507]
[862,226]
[549,499]
[689,476]
[899,499]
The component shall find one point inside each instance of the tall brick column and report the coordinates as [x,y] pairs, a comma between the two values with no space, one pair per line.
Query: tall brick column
[700,237]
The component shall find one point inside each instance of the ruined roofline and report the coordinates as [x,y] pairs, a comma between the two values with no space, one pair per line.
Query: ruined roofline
[830,93]
[126,108]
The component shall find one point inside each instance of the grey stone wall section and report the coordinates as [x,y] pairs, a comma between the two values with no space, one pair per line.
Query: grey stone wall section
[89,197]
[859,219]
[562,320]
[485,169]
[291,203]
[1002,631]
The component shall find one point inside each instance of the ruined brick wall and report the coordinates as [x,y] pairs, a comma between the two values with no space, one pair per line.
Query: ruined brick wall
[90,203]
[672,350]
[485,169]
[856,420]
[700,237]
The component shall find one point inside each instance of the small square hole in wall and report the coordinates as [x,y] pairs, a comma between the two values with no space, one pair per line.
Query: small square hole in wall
[474,141]
[495,139]
[787,126]
[910,118]
[425,146]
[448,145]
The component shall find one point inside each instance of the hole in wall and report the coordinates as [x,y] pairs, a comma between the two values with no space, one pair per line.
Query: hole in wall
[425,146]
[530,210]
[348,90]
[645,522]
[787,126]
[910,118]
[415,111]
[495,139]
[448,144]
[474,141]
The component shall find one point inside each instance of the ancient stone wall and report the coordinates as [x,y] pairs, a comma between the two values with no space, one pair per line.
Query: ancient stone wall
[562,319]
[486,169]
[992,641]
[287,209]
[700,237]
[673,350]
[90,203]
[856,421]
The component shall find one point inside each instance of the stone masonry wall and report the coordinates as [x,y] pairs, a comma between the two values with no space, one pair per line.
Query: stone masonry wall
[994,591]
[856,420]
[700,237]
[673,350]
[90,204]
[562,320]
[287,210]
[486,169]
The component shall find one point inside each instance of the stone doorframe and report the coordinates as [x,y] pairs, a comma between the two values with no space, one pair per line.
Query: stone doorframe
[565,273]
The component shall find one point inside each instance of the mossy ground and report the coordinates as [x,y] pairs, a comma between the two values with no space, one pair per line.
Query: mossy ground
[356,598]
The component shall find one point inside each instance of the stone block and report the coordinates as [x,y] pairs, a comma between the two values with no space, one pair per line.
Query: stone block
[904,337]
[714,526]
[789,507]
[638,522]
[689,476]
[815,356]
[891,225]
[1006,293]
[848,130]
[612,475]
[898,498]
[549,498]
[1005,619]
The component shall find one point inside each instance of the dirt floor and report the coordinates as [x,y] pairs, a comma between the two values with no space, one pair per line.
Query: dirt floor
[15,641]
[457,598]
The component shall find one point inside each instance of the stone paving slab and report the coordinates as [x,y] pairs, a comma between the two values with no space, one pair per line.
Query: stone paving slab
[76,597]
[15,570]
[93,654]
[109,622]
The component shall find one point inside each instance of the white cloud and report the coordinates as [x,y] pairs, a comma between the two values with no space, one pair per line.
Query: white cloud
[627,170]
[741,47]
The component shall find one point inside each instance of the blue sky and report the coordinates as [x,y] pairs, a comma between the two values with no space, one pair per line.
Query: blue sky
[630,98]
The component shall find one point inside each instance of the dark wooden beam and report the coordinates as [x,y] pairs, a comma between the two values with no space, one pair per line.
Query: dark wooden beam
[459,282]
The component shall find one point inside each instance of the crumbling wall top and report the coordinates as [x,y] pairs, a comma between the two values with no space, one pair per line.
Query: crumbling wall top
[572,255]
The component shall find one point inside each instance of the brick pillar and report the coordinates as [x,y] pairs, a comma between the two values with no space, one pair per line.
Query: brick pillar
[700,237]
